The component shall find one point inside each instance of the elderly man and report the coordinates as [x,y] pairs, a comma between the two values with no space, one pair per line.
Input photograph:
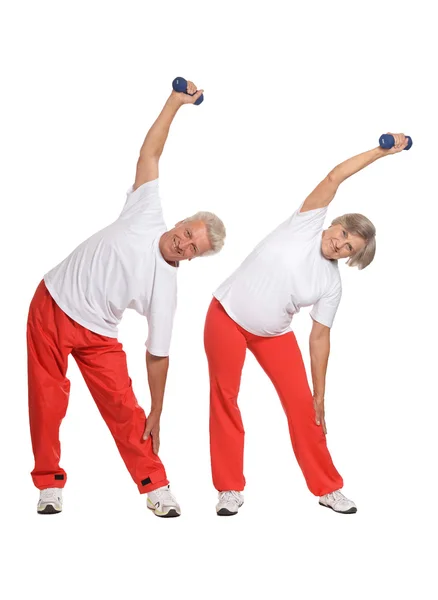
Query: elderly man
[131,263]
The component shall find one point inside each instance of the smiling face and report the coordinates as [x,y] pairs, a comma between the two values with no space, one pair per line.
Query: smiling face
[185,241]
[337,243]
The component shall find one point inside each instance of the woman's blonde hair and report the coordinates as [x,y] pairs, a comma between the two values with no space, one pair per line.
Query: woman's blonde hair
[357,224]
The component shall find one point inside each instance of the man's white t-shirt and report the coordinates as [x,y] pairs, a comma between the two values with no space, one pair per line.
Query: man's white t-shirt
[283,273]
[121,267]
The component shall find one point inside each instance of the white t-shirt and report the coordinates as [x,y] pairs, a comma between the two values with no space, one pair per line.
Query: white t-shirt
[121,267]
[283,273]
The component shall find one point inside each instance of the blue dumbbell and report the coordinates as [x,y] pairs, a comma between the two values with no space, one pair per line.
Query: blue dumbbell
[387,141]
[180,85]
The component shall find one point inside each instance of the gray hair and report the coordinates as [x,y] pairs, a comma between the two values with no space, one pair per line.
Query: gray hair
[357,224]
[215,230]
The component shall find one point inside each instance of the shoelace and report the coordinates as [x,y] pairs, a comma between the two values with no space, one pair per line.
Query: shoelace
[166,496]
[49,495]
[337,496]
[230,497]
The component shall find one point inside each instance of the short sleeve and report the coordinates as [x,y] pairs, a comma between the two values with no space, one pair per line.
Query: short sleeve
[160,333]
[308,223]
[142,201]
[324,310]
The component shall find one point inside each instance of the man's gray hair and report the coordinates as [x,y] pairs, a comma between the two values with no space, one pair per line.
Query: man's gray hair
[357,224]
[215,230]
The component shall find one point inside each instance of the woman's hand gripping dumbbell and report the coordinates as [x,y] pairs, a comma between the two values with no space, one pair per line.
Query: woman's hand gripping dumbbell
[395,142]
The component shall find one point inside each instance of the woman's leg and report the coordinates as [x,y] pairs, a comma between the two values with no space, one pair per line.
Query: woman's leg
[225,346]
[281,359]
[102,362]
[49,341]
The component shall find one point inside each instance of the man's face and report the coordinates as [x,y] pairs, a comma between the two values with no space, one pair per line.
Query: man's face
[185,241]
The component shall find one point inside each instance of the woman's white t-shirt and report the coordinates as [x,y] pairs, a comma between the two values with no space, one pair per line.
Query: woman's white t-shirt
[121,267]
[283,273]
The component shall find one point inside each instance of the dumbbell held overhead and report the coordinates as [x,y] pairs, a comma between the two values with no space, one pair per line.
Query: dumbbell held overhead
[179,84]
[387,141]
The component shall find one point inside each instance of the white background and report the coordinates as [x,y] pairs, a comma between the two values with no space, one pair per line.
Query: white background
[291,89]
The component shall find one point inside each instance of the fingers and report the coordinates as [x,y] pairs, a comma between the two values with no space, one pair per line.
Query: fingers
[147,431]
[318,405]
[155,442]
[318,415]
[400,142]
[191,87]
[316,408]
[151,424]
[320,420]
[187,98]
[197,95]
[153,431]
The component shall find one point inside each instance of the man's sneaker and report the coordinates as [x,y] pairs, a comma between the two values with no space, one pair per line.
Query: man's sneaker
[163,502]
[229,503]
[50,502]
[338,502]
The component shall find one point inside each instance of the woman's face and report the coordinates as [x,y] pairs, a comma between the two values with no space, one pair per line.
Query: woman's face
[337,242]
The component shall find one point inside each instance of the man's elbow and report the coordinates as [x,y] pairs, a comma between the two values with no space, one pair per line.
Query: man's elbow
[148,157]
[320,336]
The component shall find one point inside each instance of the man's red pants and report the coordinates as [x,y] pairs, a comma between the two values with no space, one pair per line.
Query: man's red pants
[51,337]
[280,357]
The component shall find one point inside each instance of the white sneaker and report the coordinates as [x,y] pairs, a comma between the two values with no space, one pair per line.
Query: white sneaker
[229,503]
[163,502]
[338,502]
[50,502]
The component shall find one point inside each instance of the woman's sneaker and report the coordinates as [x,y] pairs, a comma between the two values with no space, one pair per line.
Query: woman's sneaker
[163,502]
[50,502]
[338,502]
[229,503]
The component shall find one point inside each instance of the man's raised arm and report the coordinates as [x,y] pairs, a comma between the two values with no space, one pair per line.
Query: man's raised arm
[147,165]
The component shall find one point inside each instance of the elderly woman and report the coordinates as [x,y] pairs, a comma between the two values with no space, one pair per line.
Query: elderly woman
[296,265]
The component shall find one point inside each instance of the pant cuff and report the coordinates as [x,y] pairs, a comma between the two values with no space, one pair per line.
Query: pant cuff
[152,482]
[329,489]
[49,480]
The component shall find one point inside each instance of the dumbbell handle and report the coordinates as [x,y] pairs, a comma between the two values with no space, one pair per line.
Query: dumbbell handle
[179,84]
[387,141]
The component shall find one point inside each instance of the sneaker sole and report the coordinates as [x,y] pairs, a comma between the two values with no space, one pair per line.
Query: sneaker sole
[49,510]
[169,515]
[224,512]
[350,511]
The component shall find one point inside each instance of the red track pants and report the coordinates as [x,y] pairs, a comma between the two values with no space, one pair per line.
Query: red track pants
[225,344]
[51,337]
